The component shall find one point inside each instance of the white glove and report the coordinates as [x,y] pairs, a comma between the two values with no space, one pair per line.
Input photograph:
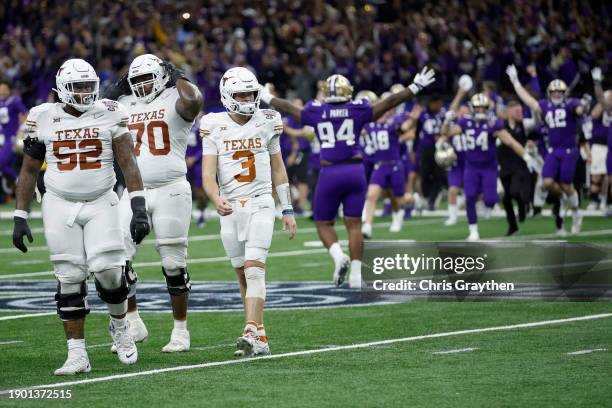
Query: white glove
[424,78]
[512,74]
[466,83]
[265,93]
[596,74]
[449,116]
[531,163]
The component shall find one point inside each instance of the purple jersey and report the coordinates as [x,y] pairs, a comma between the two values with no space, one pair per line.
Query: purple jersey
[10,108]
[561,122]
[460,146]
[337,127]
[381,141]
[430,125]
[480,139]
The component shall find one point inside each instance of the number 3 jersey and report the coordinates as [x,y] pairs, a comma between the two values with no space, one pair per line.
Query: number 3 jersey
[337,126]
[160,137]
[561,123]
[78,150]
[243,151]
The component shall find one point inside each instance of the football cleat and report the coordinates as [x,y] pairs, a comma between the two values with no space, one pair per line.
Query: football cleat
[137,330]
[561,232]
[576,224]
[474,236]
[261,348]
[179,341]
[75,363]
[366,231]
[450,221]
[341,270]
[397,219]
[246,345]
[126,348]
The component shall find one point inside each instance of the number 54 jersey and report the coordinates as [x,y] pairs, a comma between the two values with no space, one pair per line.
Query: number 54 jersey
[160,137]
[79,150]
[243,151]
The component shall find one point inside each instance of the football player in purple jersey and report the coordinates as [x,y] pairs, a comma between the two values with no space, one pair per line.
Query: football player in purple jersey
[338,122]
[560,115]
[480,174]
[12,114]
[605,100]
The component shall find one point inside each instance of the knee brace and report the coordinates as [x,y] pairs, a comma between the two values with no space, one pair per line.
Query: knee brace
[72,305]
[111,289]
[177,281]
[256,282]
[131,277]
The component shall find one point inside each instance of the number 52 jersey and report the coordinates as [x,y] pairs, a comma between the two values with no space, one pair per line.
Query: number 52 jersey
[78,150]
[243,151]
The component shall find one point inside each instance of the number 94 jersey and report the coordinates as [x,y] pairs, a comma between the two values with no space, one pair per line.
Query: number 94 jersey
[160,137]
[78,150]
[243,152]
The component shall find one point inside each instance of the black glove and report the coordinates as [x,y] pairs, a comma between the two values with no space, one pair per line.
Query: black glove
[117,90]
[20,229]
[139,226]
[174,74]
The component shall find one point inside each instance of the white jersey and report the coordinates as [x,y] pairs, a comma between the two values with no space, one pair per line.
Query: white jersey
[160,137]
[79,150]
[243,151]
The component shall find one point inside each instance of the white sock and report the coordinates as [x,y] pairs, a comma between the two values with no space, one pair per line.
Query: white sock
[573,202]
[473,228]
[180,324]
[133,315]
[335,250]
[356,267]
[453,209]
[76,345]
[118,323]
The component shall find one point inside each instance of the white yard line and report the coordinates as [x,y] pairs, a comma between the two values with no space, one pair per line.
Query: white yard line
[579,352]
[463,350]
[10,342]
[99,345]
[21,316]
[314,351]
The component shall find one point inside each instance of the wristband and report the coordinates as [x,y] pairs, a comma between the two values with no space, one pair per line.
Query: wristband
[21,214]
[139,193]
[414,88]
[288,212]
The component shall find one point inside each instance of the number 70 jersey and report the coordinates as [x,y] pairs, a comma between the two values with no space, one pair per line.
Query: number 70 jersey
[243,151]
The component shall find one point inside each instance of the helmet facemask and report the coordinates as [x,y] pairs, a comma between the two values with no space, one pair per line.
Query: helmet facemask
[247,108]
[147,86]
[81,95]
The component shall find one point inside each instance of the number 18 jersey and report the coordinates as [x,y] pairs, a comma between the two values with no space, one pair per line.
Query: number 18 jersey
[243,151]
[160,137]
[337,126]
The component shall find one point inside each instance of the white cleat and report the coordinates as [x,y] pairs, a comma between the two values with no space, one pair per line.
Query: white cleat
[137,330]
[261,348]
[474,236]
[246,345]
[561,232]
[366,231]
[179,341]
[341,270]
[355,280]
[450,222]
[126,348]
[75,363]
[576,224]
[397,219]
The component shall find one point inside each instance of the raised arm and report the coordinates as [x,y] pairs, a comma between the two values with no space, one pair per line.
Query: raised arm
[465,84]
[421,80]
[522,92]
[599,93]
[190,101]
[280,104]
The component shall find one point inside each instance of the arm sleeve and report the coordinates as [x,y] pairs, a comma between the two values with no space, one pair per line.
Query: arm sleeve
[307,115]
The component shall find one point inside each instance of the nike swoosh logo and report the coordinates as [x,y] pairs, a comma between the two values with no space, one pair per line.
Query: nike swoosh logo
[114,204]
[98,115]
[174,194]
[130,355]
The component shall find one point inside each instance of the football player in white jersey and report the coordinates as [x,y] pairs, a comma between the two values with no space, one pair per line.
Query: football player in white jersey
[162,106]
[79,138]
[240,148]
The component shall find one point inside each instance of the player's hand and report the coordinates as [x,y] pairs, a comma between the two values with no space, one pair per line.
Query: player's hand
[118,89]
[585,101]
[139,225]
[449,116]
[223,206]
[174,73]
[265,93]
[530,162]
[422,79]
[290,225]
[466,83]
[512,74]
[20,229]
[531,70]
[596,74]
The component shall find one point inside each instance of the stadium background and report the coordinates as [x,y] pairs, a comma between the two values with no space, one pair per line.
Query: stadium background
[294,44]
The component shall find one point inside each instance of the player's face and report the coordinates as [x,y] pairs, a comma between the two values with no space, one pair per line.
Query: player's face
[515,112]
[244,96]
[83,92]
[5,91]
[435,106]
[145,83]
[480,110]
[556,95]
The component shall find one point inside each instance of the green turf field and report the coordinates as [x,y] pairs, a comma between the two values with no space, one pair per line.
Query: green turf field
[507,366]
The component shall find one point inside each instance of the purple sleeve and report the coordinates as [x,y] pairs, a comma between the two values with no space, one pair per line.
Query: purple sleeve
[308,114]
[573,104]
[535,86]
[543,103]
[461,122]
[499,125]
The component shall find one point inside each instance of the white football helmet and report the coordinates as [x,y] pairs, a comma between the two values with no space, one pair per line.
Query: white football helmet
[77,77]
[147,64]
[238,80]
